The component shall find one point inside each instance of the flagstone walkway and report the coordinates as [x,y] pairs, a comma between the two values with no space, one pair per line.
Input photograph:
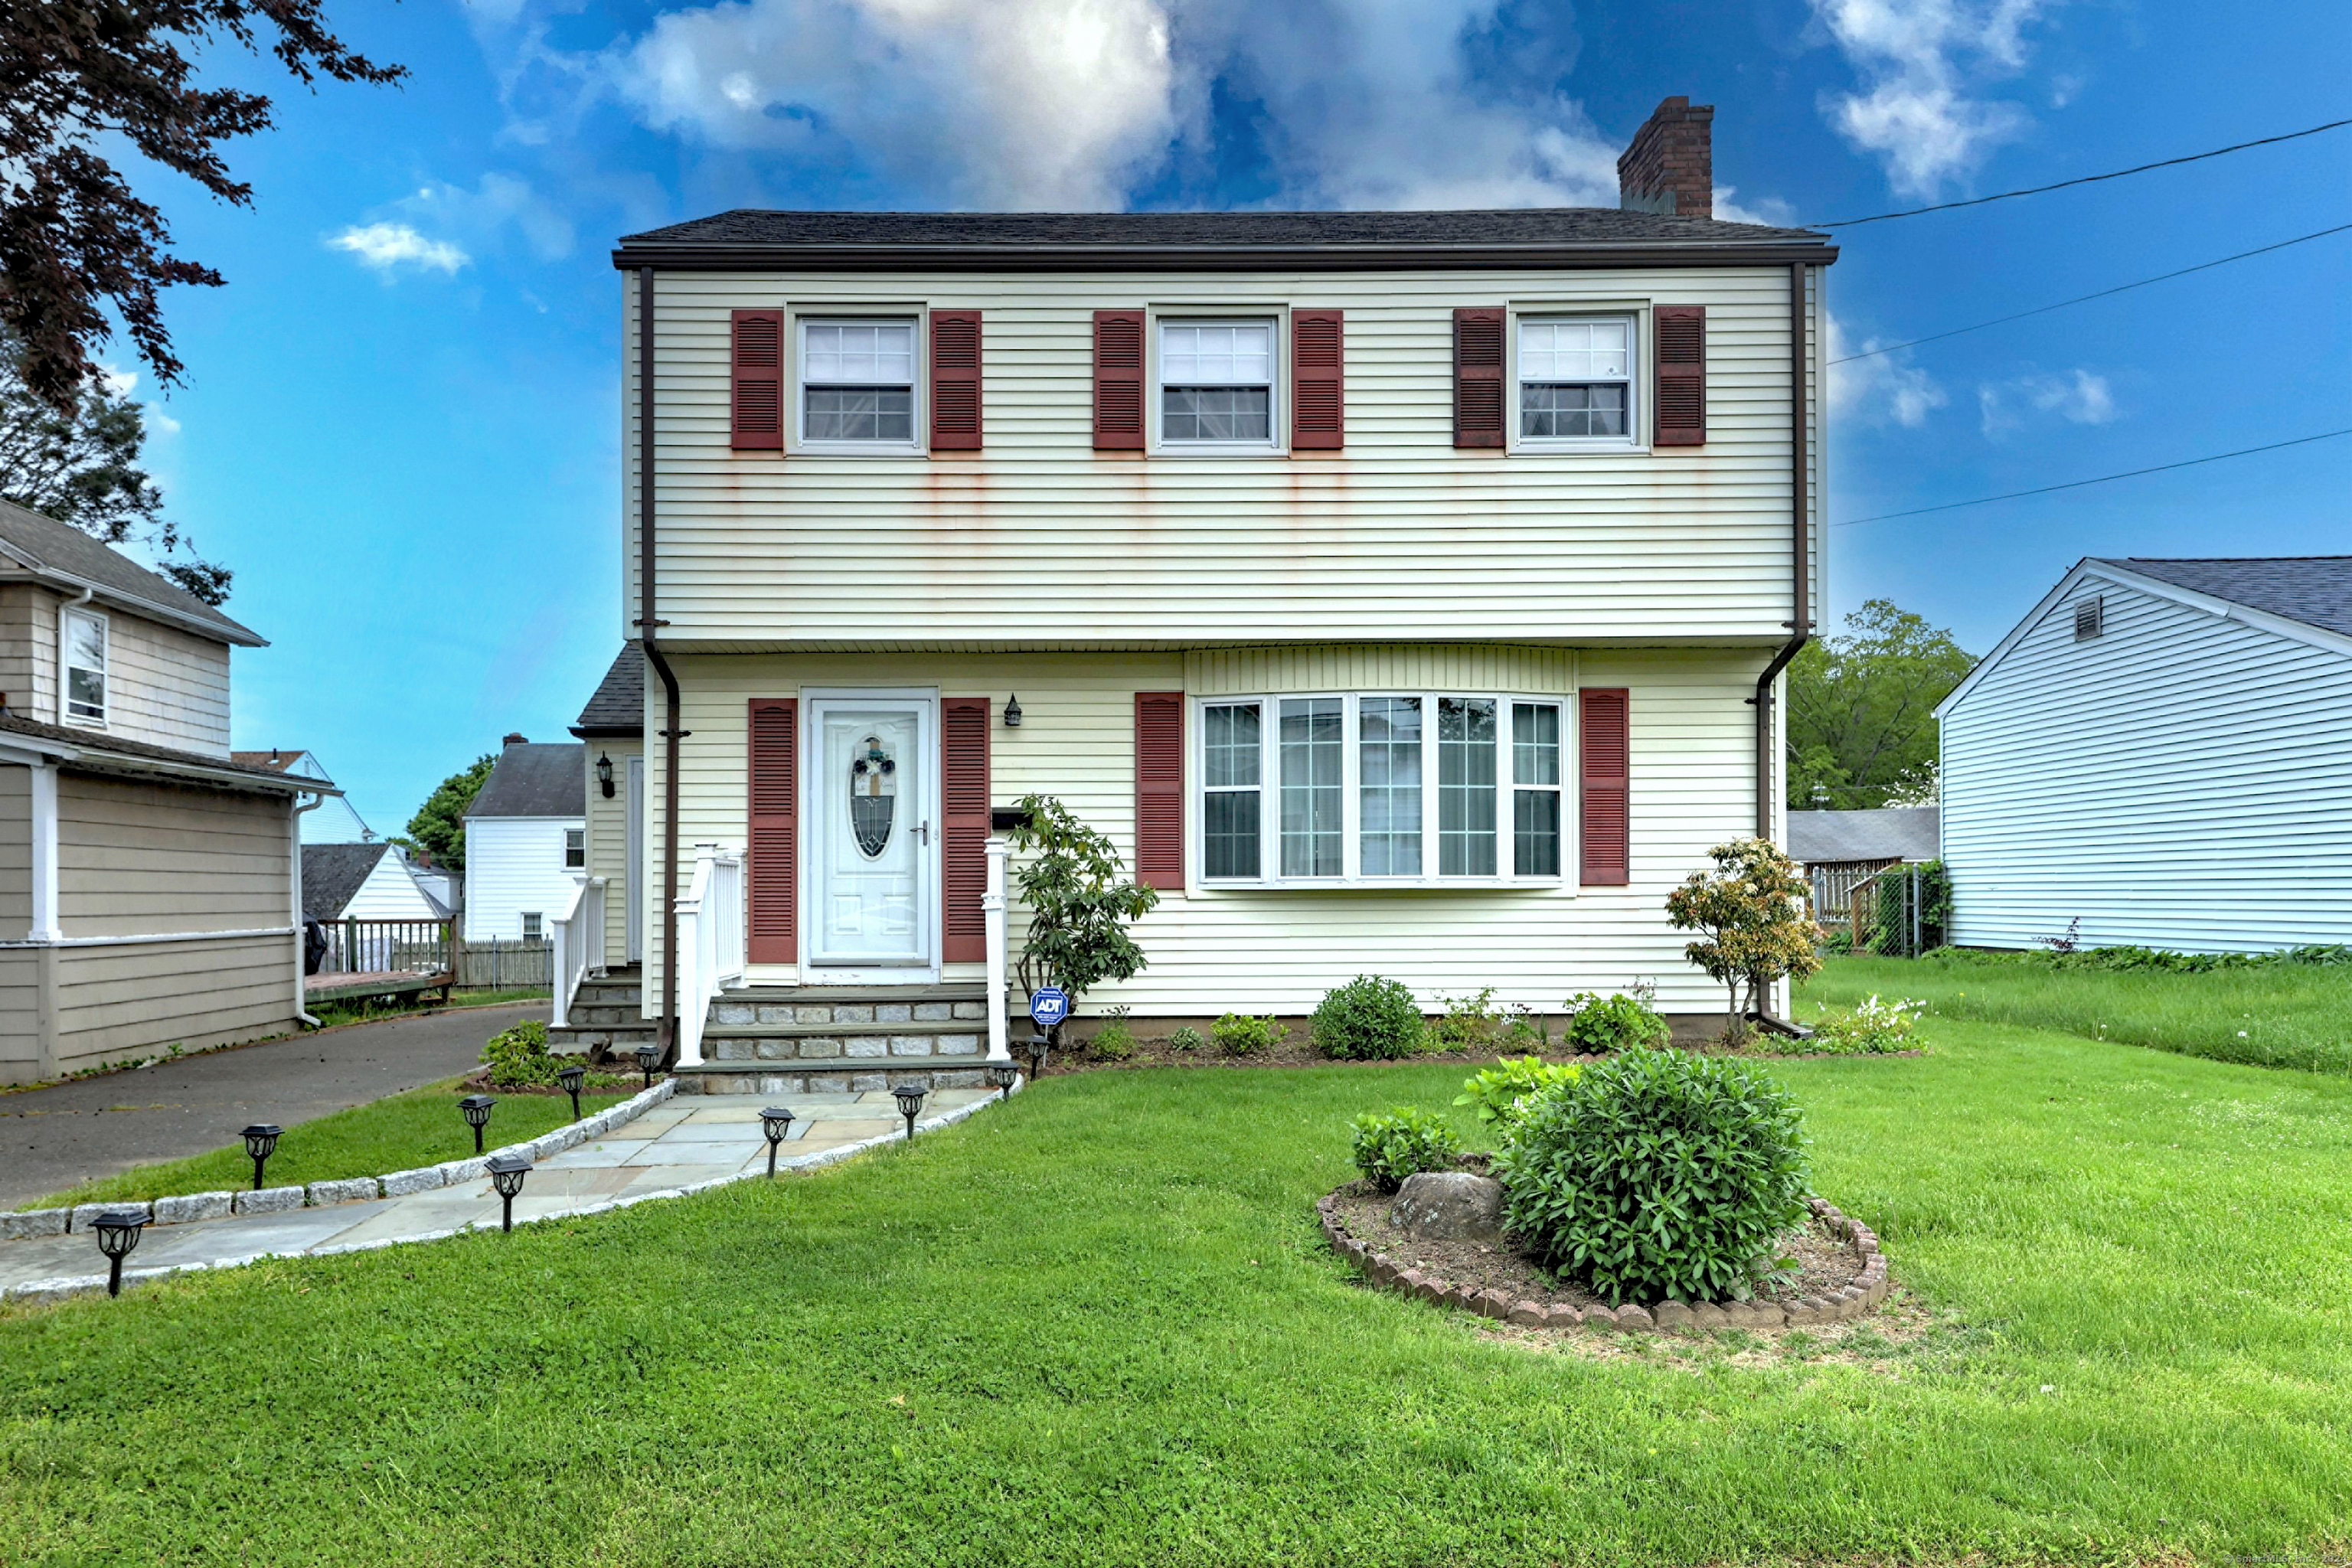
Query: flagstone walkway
[680,1145]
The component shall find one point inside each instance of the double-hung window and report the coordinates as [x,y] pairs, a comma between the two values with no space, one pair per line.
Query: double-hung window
[1380,786]
[1216,383]
[857,383]
[1576,383]
[575,849]
[82,644]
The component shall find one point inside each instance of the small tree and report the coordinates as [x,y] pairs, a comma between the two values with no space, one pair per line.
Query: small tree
[439,828]
[1751,910]
[1079,900]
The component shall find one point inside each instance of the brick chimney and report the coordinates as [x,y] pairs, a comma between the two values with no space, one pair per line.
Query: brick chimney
[1670,166]
[513,740]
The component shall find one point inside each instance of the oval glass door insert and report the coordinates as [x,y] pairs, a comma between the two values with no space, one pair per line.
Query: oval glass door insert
[873,796]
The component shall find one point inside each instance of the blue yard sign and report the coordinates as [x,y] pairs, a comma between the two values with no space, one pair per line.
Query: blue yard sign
[1049,1005]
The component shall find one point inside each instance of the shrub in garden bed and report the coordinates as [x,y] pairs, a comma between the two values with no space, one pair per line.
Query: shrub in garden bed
[1186,1038]
[1243,1034]
[1404,1141]
[517,1058]
[1598,1024]
[1496,1093]
[1368,1019]
[1872,1029]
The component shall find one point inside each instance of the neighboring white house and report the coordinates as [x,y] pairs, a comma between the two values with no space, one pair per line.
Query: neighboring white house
[2162,752]
[526,841]
[362,883]
[335,820]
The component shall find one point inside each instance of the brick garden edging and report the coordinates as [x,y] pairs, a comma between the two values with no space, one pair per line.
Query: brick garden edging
[1867,1290]
[27,1224]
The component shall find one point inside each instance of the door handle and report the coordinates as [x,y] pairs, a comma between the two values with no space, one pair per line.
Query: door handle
[926,831]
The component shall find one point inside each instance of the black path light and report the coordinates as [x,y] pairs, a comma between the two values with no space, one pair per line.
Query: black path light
[506,1171]
[1003,1075]
[775,1121]
[910,1097]
[572,1075]
[648,1056]
[260,1142]
[1037,1044]
[476,1109]
[118,1237]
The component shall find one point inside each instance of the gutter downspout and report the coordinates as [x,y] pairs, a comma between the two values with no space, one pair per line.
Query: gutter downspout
[648,638]
[301,989]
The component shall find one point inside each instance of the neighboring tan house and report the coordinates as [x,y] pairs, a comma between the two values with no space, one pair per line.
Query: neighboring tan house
[2161,751]
[336,821]
[148,881]
[1842,849]
[612,726]
[1401,592]
[526,842]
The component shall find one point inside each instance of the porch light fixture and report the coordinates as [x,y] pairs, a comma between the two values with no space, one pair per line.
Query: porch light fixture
[260,1142]
[910,1097]
[506,1171]
[1002,1076]
[648,1056]
[604,774]
[572,1075]
[476,1109]
[118,1237]
[1013,713]
[775,1120]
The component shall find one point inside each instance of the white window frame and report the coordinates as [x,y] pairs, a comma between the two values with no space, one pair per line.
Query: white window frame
[530,917]
[572,836]
[66,715]
[910,316]
[1351,874]
[1277,399]
[1636,439]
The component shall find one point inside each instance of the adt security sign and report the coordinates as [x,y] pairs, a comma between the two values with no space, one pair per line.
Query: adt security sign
[1049,1005]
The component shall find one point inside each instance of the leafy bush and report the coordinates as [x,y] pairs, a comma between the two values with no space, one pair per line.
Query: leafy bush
[1874,1028]
[1079,900]
[1750,911]
[1368,1019]
[519,1056]
[1403,1142]
[1655,1174]
[1468,1026]
[1241,1035]
[1599,1024]
[1113,1041]
[1839,941]
[1187,1038]
[1495,1093]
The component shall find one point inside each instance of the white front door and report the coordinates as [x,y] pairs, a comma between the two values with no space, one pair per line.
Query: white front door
[633,901]
[873,855]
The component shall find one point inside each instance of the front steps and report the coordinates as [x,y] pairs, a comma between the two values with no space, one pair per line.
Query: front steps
[834,1039]
[604,1020]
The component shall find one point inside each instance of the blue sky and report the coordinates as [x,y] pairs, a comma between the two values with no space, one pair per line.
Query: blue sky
[401,417]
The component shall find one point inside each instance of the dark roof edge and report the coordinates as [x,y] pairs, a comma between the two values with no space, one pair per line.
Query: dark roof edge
[609,732]
[707,257]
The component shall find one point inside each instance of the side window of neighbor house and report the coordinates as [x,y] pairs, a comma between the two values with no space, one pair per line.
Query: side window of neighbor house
[1576,383]
[575,849]
[82,638]
[533,926]
[1216,383]
[858,382]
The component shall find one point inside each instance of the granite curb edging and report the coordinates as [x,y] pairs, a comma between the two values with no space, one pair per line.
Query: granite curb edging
[32,1225]
[1865,1293]
[43,1291]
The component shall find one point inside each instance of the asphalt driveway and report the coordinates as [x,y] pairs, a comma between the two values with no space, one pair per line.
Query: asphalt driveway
[53,1138]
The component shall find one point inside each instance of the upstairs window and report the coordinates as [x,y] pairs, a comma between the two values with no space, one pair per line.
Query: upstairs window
[82,640]
[1216,383]
[575,849]
[1576,381]
[857,383]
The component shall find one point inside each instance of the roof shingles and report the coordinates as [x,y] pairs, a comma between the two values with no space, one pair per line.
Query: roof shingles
[2314,589]
[544,780]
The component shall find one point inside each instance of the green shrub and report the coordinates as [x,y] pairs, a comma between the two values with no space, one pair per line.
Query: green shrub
[1113,1041]
[1657,1175]
[1495,1093]
[1467,1026]
[1839,941]
[1597,1025]
[1186,1038]
[1368,1019]
[1872,1029]
[1242,1035]
[519,1056]
[1403,1142]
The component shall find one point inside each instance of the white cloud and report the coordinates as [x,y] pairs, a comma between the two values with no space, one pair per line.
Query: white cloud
[2078,396]
[494,202]
[1923,64]
[389,246]
[1881,389]
[1769,210]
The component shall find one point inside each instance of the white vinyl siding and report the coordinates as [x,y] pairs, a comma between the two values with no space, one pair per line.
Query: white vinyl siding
[2182,780]
[390,893]
[515,864]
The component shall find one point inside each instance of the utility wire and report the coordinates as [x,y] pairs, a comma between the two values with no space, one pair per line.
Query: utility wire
[2082,299]
[2082,180]
[2103,479]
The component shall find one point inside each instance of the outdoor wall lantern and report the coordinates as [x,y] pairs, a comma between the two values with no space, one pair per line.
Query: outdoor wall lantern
[648,1056]
[571,1076]
[260,1140]
[1012,712]
[910,1097]
[506,1171]
[775,1120]
[1002,1075]
[118,1237]
[476,1109]
[604,774]
[1037,1043]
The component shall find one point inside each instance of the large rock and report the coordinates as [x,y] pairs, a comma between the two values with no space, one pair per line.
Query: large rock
[1449,1205]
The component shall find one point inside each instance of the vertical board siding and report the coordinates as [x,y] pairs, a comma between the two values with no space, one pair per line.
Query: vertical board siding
[2180,780]
[137,859]
[514,863]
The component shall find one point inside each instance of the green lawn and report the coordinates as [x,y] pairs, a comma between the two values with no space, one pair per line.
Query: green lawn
[2279,1014]
[398,1133]
[1098,1325]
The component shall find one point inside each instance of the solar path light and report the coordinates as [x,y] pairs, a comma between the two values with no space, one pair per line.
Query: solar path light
[260,1141]
[648,1056]
[1037,1044]
[775,1121]
[506,1171]
[572,1075]
[476,1109]
[118,1237]
[1002,1076]
[910,1097]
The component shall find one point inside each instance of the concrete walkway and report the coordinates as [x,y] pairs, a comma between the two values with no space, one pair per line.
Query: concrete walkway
[59,1136]
[680,1145]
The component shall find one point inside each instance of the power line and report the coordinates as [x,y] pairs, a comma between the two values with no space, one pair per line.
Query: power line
[2103,479]
[2082,299]
[2082,180]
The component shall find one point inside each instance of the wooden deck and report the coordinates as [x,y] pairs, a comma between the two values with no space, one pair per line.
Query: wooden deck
[377,983]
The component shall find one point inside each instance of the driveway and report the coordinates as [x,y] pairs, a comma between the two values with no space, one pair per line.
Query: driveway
[54,1138]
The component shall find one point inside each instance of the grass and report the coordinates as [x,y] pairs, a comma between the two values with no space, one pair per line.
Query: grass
[2278,1015]
[353,1012]
[1098,1325]
[398,1133]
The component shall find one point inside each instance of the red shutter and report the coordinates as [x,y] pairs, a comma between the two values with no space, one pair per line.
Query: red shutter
[963,854]
[955,381]
[773,932]
[756,357]
[1478,398]
[1118,381]
[1602,746]
[1159,788]
[1318,388]
[1681,334]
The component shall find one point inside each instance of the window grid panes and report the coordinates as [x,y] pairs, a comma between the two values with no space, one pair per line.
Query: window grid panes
[1232,750]
[1575,379]
[1465,786]
[575,849]
[85,660]
[858,381]
[1388,771]
[1313,796]
[1216,382]
[1535,789]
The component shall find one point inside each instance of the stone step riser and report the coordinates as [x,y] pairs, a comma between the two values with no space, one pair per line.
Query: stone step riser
[771,1082]
[861,1016]
[848,1049]
[604,1017]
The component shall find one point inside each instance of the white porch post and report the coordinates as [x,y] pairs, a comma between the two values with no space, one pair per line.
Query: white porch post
[45,926]
[992,904]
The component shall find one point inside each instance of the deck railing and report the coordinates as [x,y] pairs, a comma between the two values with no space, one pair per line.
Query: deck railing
[386,947]
[710,942]
[577,939]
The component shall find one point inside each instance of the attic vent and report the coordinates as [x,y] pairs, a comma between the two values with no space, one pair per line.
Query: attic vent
[2089,618]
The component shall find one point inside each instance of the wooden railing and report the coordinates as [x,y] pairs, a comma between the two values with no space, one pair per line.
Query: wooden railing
[387,947]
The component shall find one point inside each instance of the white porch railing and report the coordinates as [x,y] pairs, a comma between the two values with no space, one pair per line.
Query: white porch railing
[710,941]
[992,904]
[577,939]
